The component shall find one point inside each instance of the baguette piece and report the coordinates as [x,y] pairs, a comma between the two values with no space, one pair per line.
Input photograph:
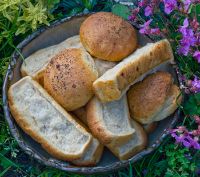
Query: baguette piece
[46,121]
[110,122]
[35,64]
[92,156]
[116,81]
[137,143]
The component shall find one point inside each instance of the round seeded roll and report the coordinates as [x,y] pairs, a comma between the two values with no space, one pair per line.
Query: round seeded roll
[107,36]
[147,98]
[69,77]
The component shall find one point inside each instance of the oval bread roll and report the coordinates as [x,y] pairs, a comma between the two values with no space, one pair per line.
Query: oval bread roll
[69,77]
[107,36]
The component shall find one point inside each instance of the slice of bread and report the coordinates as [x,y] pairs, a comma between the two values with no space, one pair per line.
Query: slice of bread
[46,121]
[92,156]
[116,81]
[110,122]
[35,64]
[137,143]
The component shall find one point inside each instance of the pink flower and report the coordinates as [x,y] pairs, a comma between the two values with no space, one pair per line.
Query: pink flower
[196,55]
[194,24]
[143,3]
[148,11]
[145,29]
[186,4]
[133,16]
[170,5]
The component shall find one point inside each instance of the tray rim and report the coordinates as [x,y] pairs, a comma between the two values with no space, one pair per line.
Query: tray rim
[54,162]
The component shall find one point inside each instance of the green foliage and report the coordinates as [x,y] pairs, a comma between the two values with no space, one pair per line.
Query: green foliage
[121,10]
[192,106]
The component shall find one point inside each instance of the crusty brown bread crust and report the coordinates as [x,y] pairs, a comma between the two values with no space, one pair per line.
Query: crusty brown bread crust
[149,128]
[147,97]
[69,77]
[114,82]
[30,129]
[107,36]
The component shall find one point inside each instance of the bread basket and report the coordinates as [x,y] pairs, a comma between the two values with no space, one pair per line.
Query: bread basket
[47,36]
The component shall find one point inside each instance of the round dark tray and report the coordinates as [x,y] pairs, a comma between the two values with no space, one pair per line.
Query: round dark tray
[55,33]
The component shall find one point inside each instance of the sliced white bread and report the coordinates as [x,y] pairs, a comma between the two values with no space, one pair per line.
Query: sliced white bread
[46,121]
[136,144]
[116,81]
[110,122]
[92,156]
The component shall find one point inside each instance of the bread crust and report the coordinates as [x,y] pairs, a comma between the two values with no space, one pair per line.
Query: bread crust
[149,128]
[97,127]
[27,128]
[112,84]
[69,77]
[107,36]
[147,97]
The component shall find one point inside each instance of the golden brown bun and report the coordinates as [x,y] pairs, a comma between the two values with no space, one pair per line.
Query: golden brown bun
[69,77]
[146,98]
[149,128]
[107,36]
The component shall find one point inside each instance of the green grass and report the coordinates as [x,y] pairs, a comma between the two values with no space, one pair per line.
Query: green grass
[168,160]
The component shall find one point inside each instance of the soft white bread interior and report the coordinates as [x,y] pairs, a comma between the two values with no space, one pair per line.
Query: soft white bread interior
[35,64]
[110,122]
[114,82]
[136,144]
[92,156]
[46,121]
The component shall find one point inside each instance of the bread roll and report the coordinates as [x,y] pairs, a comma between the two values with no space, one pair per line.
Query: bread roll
[148,98]
[107,36]
[116,81]
[46,121]
[69,77]
[35,64]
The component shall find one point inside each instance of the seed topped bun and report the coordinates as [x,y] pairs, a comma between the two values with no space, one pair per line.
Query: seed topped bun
[107,36]
[69,77]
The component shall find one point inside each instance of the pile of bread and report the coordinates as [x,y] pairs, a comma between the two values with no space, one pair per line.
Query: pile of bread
[86,93]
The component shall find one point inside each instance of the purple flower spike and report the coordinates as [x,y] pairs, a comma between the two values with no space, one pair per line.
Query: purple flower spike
[145,29]
[196,55]
[170,5]
[148,11]
[195,85]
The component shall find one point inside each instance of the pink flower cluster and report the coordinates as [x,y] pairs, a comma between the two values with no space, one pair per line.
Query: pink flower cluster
[190,30]
[189,139]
